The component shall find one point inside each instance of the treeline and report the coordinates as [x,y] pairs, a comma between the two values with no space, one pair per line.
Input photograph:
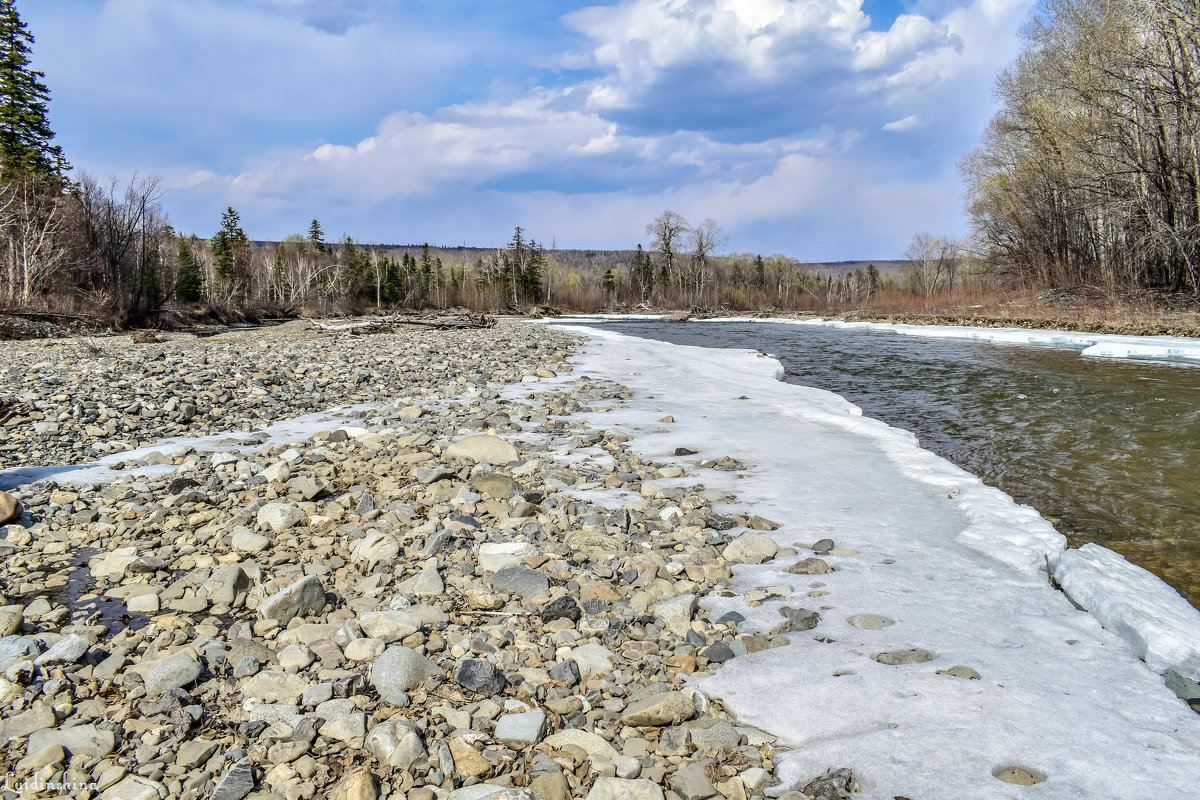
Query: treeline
[1090,173]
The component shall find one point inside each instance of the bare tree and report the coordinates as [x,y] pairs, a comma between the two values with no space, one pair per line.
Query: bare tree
[666,232]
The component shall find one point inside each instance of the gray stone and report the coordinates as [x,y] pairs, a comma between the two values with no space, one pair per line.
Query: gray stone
[870,622]
[134,787]
[720,735]
[799,619]
[279,516]
[480,676]
[520,730]
[810,566]
[564,607]
[822,546]
[433,474]
[67,650]
[16,648]
[913,655]
[305,596]
[396,744]
[718,653]
[483,449]
[236,783]
[677,613]
[247,541]
[398,670]
[226,583]
[667,708]
[173,672]
[750,548]
[81,740]
[834,785]
[195,753]
[624,789]
[567,672]
[520,580]
[692,782]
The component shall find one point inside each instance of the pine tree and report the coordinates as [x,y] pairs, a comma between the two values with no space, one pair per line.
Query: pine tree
[189,283]
[229,242]
[25,134]
[317,236]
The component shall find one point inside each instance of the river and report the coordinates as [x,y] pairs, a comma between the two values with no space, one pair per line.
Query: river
[1108,450]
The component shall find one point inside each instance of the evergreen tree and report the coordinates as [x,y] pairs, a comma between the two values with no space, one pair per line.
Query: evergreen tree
[25,134]
[229,243]
[189,283]
[641,273]
[317,236]
[760,272]
[535,270]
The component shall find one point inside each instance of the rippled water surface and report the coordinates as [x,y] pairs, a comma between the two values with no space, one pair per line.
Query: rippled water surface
[1107,450]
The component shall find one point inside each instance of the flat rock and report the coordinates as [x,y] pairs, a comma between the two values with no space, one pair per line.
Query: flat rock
[81,740]
[133,787]
[247,541]
[750,548]
[389,626]
[520,730]
[236,783]
[521,580]
[483,449]
[173,672]
[278,517]
[667,708]
[913,655]
[870,622]
[495,556]
[624,789]
[67,650]
[272,686]
[592,744]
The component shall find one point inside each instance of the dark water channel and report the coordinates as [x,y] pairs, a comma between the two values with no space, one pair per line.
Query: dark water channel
[1108,450]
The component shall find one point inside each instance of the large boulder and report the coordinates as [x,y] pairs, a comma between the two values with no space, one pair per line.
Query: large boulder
[10,508]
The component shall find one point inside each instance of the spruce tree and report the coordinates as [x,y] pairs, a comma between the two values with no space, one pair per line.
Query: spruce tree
[316,236]
[189,283]
[228,243]
[25,134]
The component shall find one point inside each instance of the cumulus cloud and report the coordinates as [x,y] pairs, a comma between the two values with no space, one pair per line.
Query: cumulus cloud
[905,124]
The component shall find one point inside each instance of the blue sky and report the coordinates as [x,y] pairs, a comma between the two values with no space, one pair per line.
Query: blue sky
[821,129]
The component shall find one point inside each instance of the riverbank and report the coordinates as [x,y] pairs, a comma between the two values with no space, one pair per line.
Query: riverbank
[678,560]
[388,604]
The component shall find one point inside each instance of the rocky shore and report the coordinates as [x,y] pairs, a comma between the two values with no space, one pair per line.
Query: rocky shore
[419,602]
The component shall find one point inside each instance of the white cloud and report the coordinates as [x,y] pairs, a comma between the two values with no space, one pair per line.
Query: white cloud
[905,124]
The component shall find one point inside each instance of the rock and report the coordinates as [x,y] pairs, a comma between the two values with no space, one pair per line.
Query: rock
[279,516]
[718,653]
[305,596]
[720,735]
[398,670]
[495,556]
[247,541]
[593,660]
[591,743]
[966,673]
[1018,776]
[395,743]
[279,472]
[833,785]
[10,508]
[133,787]
[428,583]
[344,727]
[173,672]
[567,672]
[10,622]
[480,676]
[799,619]
[520,580]
[822,546]
[913,655]
[564,607]
[494,485]
[551,786]
[870,622]
[16,648]
[624,789]
[273,686]
[113,564]
[81,740]
[520,730]
[67,650]
[143,604]
[389,626]
[692,783]
[374,548]
[677,613]
[226,583]
[359,784]
[483,449]
[810,566]
[750,548]
[667,708]
[195,753]
[468,763]
[26,722]
[236,783]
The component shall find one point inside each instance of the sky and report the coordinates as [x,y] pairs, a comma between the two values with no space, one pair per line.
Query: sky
[819,129]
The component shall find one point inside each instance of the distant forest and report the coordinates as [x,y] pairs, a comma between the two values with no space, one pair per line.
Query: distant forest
[1088,176]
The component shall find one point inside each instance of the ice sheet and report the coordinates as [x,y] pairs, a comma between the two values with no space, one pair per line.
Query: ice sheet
[957,565]
[1097,345]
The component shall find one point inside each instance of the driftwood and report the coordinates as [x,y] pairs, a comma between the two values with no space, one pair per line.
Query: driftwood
[390,323]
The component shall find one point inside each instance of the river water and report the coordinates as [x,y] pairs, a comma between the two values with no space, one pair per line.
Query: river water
[1108,450]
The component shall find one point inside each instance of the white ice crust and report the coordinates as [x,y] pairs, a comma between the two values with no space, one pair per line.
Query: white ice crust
[960,568]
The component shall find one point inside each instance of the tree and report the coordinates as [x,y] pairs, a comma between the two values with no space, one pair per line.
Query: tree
[317,236]
[25,134]
[705,238]
[189,282]
[229,243]
[641,274]
[666,230]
